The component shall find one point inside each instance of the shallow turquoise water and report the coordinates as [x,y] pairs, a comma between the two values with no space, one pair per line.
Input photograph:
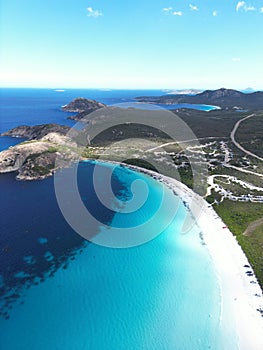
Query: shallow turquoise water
[163,294]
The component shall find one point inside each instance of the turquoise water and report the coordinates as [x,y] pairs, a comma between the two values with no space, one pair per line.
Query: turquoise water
[58,291]
[163,294]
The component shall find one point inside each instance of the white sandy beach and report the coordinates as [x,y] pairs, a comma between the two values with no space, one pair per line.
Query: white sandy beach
[240,298]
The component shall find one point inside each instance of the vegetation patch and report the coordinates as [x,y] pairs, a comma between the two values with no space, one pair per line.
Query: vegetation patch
[52,149]
[238,216]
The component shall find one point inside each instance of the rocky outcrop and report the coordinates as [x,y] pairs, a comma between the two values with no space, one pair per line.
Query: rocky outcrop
[83,107]
[81,104]
[43,165]
[36,159]
[13,158]
[37,166]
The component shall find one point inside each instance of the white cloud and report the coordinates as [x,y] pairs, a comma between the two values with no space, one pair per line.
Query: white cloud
[249,8]
[241,5]
[167,9]
[93,13]
[261,10]
[214,13]
[177,13]
[193,7]
[171,11]
[236,59]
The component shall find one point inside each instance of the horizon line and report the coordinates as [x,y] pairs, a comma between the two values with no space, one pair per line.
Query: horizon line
[125,88]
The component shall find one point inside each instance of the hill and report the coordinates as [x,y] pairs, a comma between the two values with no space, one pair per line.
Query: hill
[82,106]
[224,98]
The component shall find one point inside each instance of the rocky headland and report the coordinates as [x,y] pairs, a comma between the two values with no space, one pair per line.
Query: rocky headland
[36,132]
[36,158]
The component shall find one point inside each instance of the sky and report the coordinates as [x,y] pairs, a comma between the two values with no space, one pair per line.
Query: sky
[134,44]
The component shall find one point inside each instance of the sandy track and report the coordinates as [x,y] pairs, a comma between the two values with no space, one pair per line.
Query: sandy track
[232,136]
[253,226]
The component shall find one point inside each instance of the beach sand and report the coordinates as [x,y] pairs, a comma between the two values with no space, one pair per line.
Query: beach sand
[240,298]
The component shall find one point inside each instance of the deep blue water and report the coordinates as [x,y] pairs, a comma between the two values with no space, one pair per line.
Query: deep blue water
[59,291]
[40,106]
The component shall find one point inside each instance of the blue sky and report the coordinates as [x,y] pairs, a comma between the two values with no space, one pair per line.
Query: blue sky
[131,44]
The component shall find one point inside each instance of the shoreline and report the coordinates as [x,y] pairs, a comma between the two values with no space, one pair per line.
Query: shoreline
[241,299]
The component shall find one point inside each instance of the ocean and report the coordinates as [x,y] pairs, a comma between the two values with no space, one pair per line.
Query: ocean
[59,291]
[40,106]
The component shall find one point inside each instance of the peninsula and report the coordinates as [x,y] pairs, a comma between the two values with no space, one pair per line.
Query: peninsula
[82,106]
[224,98]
